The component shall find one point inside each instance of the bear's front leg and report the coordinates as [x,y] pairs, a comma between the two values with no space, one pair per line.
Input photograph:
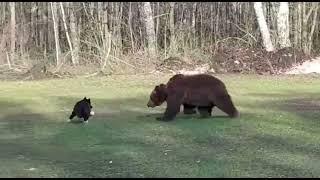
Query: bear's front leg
[173,108]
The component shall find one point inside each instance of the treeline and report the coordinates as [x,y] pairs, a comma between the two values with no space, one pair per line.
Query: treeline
[103,32]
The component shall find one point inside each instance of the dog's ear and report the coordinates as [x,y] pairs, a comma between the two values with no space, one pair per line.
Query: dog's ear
[88,100]
[85,98]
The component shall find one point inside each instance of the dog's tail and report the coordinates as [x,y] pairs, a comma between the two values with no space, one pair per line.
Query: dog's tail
[72,115]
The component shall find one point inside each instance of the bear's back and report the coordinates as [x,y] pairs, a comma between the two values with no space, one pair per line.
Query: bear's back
[195,81]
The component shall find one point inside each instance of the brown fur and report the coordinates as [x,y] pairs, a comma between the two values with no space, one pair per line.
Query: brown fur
[200,90]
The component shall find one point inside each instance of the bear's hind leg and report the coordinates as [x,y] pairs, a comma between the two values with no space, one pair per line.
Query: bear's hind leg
[189,109]
[205,111]
[225,103]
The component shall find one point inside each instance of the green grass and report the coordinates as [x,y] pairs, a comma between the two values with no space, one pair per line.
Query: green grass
[278,134]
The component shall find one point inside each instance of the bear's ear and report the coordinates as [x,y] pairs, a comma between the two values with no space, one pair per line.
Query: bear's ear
[161,88]
[156,88]
[162,85]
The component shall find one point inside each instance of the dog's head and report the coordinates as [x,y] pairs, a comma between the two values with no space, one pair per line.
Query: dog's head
[88,101]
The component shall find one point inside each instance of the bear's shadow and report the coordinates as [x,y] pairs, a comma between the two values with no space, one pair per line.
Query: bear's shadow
[184,116]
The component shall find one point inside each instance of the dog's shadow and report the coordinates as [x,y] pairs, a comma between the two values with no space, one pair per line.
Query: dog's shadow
[76,121]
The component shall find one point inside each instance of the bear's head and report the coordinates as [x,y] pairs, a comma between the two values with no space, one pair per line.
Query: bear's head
[158,96]
[88,102]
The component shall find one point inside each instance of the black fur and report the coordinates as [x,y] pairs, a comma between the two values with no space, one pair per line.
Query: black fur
[82,109]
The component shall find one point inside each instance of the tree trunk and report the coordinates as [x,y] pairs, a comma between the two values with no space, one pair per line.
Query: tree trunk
[43,29]
[33,23]
[283,25]
[56,31]
[217,29]
[148,19]
[165,38]
[106,39]
[74,35]
[3,41]
[130,27]
[313,25]
[12,31]
[119,12]
[50,34]
[297,34]
[3,12]
[20,35]
[263,27]
[194,7]
[67,33]
[157,25]
[91,8]
[172,33]
[304,28]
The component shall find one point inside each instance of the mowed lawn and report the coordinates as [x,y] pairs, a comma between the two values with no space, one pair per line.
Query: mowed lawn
[277,135]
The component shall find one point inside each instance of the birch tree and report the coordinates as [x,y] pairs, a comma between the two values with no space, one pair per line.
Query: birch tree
[148,19]
[74,35]
[298,29]
[172,34]
[263,26]
[12,31]
[313,26]
[194,7]
[130,27]
[67,33]
[56,31]
[106,35]
[283,25]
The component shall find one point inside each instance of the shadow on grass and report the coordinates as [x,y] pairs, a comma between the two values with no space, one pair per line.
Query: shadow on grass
[296,115]
[134,108]
[123,139]
[304,105]
[52,148]
[123,131]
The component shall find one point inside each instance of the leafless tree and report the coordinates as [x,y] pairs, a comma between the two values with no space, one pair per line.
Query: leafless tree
[283,25]
[263,26]
[56,31]
[149,24]
[12,31]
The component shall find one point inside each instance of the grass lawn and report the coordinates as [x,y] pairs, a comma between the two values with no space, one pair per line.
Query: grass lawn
[277,135]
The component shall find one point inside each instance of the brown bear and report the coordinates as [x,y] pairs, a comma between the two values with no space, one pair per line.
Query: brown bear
[202,91]
[204,111]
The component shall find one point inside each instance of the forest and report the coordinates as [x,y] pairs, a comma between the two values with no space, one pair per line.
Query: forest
[144,37]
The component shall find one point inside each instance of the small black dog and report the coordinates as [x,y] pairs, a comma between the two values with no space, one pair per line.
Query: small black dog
[82,109]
